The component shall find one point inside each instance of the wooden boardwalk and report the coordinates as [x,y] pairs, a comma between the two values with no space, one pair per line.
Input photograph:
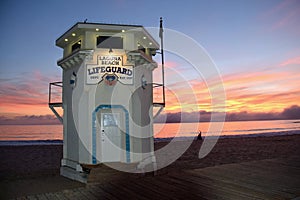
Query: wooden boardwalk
[265,179]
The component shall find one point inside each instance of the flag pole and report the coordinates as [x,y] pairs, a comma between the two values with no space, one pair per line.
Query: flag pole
[162,57]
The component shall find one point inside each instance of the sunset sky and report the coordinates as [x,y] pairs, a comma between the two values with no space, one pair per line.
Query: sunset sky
[254,44]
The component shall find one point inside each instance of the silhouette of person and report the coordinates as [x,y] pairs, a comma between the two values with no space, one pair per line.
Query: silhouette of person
[199,137]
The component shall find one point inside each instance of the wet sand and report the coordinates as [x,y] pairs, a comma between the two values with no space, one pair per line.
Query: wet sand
[34,169]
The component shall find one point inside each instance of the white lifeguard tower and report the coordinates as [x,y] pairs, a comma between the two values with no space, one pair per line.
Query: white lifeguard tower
[107,96]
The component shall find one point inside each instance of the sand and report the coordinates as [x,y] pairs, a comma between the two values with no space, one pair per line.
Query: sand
[34,169]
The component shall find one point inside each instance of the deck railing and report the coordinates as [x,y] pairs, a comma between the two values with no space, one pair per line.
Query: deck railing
[55,98]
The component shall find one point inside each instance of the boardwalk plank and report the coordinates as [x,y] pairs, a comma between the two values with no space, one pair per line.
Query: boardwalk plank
[129,190]
[235,175]
[99,193]
[266,179]
[50,196]
[41,197]
[59,195]
[85,192]
[291,161]
[23,198]
[73,194]
[149,190]
[192,189]
[169,190]
[266,166]
[114,191]
[279,177]
[31,197]
[233,187]
[219,191]
[276,179]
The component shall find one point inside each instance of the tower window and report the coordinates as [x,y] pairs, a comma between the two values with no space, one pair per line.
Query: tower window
[76,46]
[109,42]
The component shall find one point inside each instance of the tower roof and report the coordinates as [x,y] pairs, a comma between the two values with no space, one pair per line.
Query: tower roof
[80,27]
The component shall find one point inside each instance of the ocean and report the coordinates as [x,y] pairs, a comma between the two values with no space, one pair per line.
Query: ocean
[52,134]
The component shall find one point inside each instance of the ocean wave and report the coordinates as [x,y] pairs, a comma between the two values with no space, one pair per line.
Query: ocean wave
[263,134]
[262,129]
[30,142]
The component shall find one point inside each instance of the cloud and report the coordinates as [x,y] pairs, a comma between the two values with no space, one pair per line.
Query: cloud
[268,91]
[292,112]
[29,120]
[263,91]
[284,15]
[26,93]
[291,61]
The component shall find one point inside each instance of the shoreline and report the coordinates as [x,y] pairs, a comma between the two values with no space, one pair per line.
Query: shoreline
[156,140]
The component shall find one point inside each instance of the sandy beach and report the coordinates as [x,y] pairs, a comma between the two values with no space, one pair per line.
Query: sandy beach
[34,169]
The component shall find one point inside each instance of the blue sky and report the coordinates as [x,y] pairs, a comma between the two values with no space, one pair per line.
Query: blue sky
[240,36]
[234,33]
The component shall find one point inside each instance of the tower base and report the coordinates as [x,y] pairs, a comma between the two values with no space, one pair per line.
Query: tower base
[74,174]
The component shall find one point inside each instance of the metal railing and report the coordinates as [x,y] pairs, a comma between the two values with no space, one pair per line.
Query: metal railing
[158,98]
[158,94]
[53,92]
[55,98]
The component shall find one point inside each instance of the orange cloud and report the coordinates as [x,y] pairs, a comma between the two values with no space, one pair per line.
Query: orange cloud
[265,91]
[25,95]
[268,90]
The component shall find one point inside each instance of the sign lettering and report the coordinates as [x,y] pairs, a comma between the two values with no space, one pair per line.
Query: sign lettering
[109,65]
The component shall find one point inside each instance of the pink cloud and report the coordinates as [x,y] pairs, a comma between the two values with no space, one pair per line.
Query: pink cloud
[25,93]
[268,90]
[291,61]
[287,19]
[277,8]
[285,14]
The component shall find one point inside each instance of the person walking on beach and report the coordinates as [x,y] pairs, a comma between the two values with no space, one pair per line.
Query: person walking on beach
[199,137]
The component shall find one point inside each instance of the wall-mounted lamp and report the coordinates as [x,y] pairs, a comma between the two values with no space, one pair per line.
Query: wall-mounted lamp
[110,50]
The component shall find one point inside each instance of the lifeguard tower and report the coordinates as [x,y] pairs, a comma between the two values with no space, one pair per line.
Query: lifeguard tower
[107,96]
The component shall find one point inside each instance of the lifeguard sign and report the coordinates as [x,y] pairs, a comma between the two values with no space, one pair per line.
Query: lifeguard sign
[107,97]
[110,67]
